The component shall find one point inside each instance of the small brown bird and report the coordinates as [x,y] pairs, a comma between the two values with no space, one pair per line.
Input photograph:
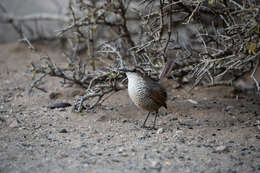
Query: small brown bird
[146,93]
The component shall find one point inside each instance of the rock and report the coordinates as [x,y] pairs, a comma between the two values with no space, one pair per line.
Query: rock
[14,124]
[59,105]
[154,164]
[81,134]
[221,149]
[181,140]
[192,101]
[55,95]
[124,155]
[228,108]
[2,119]
[99,153]
[63,131]
[178,133]
[115,160]
[121,150]
[133,149]
[160,131]
[173,119]
[103,118]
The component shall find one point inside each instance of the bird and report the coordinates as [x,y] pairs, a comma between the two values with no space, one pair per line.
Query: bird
[146,93]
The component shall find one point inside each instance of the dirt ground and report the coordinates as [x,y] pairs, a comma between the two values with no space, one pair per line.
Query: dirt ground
[209,130]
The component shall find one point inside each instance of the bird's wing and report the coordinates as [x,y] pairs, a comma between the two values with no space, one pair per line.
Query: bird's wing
[159,95]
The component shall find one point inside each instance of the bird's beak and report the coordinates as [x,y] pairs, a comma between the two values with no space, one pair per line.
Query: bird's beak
[126,70]
[123,69]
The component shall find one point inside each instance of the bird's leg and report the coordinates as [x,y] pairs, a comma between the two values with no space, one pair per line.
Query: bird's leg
[154,121]
[143,126]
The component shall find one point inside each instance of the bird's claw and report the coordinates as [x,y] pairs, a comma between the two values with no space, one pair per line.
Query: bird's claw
[149,128]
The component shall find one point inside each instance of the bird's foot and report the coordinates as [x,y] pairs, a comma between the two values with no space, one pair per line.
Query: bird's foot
[149,127]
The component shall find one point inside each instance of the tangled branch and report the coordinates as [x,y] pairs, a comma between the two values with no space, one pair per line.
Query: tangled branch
[207,40]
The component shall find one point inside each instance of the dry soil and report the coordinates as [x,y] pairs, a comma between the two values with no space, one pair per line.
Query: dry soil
[209,130]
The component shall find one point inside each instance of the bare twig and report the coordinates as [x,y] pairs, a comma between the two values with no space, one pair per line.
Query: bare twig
[203,39]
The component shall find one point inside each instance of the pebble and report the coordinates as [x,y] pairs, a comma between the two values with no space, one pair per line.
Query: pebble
[173,119]
[99,153]
[154,164]
[82,134]
[181,158]
[160,131]
[228,108]
[178,133]
[121,150]
[144,137]
[2,119]
[115,160]
[14,124]
[244,149]
[59,105]
[63,131]
[124,155]
[182,140]
[193,101]
[156,150]
[133,149]
[221,149]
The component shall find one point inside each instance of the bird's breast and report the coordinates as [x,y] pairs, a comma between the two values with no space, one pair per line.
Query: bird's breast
[140,94]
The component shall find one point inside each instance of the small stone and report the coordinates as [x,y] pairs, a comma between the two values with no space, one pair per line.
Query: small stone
[181,158]
[115,160]
[133,149]
[54,95]
[59,105]
[14,124]
[244,149]
[82,134]
[192,101]
[63,155]
[99,153]
[198,145]
[125,121]
[173,119]
[155,164]
[85,164]
[178,133]
[228,108]
[84,146]
[144,137]
[243,153]
[63,131]
[181,140]
[156,150]
[121,150]
[2,119]
[160,131]
[221,149]
[124,155]
[190,127]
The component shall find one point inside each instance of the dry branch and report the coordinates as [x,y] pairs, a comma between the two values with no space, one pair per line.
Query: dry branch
[208,39]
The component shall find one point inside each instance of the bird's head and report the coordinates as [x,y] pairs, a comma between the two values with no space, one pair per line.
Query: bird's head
[132,73]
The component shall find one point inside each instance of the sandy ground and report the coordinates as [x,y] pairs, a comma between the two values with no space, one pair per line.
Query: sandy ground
[220,134]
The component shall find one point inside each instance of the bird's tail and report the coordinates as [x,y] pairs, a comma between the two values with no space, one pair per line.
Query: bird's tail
[167,70]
